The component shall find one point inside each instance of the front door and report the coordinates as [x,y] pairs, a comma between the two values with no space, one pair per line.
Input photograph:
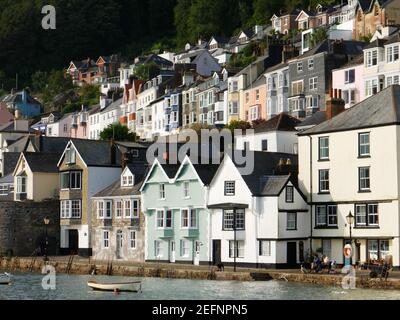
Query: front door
[173,250]
[216,251]
[118,252]
[196,260]
[73,241]
[291,255]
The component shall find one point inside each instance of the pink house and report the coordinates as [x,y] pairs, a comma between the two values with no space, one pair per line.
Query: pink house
[254,101]
[79,126]
[5,115]
[349,79]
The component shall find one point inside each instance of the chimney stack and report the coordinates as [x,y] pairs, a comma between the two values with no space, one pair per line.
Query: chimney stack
[335,103]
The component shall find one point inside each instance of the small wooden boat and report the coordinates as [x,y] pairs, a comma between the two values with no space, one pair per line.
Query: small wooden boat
[5,278]
[131,286]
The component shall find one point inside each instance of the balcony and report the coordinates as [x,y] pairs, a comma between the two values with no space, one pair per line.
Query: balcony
[190,233]
[83,118]
[164,233]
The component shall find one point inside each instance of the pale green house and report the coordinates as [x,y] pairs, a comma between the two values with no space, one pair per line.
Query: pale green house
[174,199]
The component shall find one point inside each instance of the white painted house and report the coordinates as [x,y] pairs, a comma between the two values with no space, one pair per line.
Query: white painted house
[275,135]
[350,163]
[271,214]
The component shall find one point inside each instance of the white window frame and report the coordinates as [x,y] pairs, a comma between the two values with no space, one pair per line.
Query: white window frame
[229,188]
[186,189]
[313,83]
[21,185]
[265,248]
[106,239]
[185,248]
[161,191]
[132,239]
[119,209]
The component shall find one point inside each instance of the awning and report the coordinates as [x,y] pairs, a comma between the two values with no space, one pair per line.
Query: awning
[228,205]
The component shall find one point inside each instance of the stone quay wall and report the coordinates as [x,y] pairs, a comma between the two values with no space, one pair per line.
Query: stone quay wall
[22,228]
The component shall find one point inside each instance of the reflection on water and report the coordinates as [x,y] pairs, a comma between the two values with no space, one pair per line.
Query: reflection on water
[28,286]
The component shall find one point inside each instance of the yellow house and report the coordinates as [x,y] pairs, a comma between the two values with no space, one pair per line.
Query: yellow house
[36,177]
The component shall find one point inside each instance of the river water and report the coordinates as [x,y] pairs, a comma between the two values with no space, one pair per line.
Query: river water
[74,287]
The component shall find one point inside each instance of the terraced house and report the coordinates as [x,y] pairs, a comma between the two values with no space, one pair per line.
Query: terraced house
[86,167]
[351,179]
[118,221]
[177,222]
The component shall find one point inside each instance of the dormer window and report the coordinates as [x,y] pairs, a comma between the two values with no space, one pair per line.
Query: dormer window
[127,180]
[70,157]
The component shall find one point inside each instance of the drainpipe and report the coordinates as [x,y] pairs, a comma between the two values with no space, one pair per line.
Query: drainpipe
[311,195]
[208,212]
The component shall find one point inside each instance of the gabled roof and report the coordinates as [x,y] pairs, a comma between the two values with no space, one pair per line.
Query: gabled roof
[10,160]
[265,166]
[273,185]
[220,39]
[380,109]
[376,43]
[115,189]
[281,122]
[42,162]
[9,127]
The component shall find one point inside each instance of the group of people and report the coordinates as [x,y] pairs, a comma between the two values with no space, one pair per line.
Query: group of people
[320,263]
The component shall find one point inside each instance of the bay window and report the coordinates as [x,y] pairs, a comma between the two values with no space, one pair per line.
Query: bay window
[21,184]
[188,218]
[164,219]
[71,209]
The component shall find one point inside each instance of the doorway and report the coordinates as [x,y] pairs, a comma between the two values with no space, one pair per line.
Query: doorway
[173,252]
[216,255]
[73,241]
[118,252]
[291,254]
[196,260]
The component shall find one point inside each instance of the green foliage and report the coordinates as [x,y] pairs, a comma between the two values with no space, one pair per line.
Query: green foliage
[89,95]
[366,38]
[319,35]
[238,124]
[117,132]
[144,71]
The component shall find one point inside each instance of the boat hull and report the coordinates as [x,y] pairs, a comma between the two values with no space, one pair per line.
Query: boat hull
[118,287]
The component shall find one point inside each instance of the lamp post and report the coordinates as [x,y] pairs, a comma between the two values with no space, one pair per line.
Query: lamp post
[46,221]
[350,221]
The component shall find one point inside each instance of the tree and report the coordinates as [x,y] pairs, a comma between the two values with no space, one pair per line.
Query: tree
[146,71]
[39,81]
[238,124]
[117,132]
[319,35]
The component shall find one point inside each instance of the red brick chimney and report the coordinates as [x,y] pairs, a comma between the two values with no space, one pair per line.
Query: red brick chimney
[335,103]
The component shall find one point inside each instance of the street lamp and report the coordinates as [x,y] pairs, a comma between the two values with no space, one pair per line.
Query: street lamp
[46,221]
[350,221]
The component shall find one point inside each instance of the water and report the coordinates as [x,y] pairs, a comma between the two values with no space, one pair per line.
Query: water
[28,286]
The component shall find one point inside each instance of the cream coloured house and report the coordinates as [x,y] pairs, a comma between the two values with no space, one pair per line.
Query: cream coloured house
[350,164]
[36,176]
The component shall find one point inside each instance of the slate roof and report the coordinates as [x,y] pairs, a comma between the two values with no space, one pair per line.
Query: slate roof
[273,185]
[376,43]
[112,106]
[276,67]
[353,62]
[42,162]
[281,122]
[94,152]
[9,127]
[50,144]
[115,189]
[393,39]
[266,164]
[380,109]
[316,118]
[10,160]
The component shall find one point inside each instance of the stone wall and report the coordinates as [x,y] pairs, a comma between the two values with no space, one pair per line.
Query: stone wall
[22,228]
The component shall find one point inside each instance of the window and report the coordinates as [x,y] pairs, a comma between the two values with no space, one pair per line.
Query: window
[21,184]
[162,191]
[371,58]
[118,208]
[312,102]
[378,249]
[71,180]
[299,66]
[233,107]
[70,157]
[158,250]
[188,218]
[229,218]
[127,180]
[291,220]
[106,239]
[136,209]
[229,188]
[186,193]
[164,219]
[297,87]
[313,83]
[100,209]
[349,76]
[253,113]
[265,248]
[326,216]
[332,216]
[289,194]
[236,249]
[323,148]
[349,96]
[247,97]
[108,209]
[311,63]
[264,145]
[3,190]
[363,178]
[367,215]
[65,128]
[371,87]
[257,95]
[324,180]
[327,247]
[132,239]
[363,144]
[185,248]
